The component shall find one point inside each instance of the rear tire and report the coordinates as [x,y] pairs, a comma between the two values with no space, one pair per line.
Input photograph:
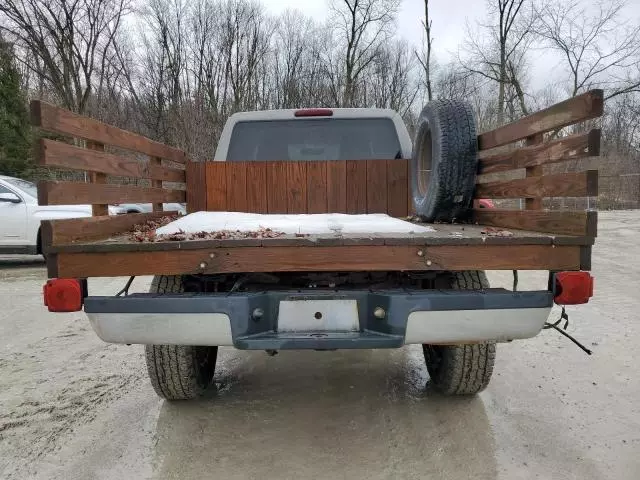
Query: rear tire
[462,369]
[444,161]
[178,372]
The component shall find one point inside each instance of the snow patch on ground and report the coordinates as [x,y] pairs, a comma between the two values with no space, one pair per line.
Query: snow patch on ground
[313,224]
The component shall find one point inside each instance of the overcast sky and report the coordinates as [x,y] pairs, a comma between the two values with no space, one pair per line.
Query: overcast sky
[449,18]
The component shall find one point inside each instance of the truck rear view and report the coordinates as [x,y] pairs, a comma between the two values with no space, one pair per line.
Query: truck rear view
[395,254]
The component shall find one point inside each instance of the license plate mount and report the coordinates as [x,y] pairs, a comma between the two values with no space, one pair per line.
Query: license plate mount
[338,315]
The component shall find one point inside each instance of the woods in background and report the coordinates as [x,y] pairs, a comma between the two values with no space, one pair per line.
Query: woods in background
[174,70]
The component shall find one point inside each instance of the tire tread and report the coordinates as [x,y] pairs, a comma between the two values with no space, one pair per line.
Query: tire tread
[173,369]
[453,173]
[463,369]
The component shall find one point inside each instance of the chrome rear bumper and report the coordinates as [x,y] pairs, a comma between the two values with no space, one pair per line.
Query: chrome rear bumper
[322,320]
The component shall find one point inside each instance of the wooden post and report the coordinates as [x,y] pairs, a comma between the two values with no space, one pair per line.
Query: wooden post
[98,210]
[536,171]
[198,176]
[157,207]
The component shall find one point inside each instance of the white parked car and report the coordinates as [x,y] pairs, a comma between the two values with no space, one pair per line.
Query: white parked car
[147,207]
[20,216]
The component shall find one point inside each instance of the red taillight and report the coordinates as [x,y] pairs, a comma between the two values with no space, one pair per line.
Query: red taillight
[63,295]
[573,288]
[485,203]
[314,112]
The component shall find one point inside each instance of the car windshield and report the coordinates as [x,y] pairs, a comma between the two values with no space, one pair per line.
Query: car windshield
[28,187]
[315,139]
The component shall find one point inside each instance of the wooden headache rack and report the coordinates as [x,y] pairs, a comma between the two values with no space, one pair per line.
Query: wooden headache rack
[98,246]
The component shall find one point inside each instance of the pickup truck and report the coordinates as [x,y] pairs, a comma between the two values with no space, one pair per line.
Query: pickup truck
[257,291]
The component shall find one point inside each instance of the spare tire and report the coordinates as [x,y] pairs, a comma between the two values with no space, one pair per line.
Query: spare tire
[444,161]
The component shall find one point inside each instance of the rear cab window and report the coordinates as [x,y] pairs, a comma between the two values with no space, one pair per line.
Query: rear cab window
[314,139]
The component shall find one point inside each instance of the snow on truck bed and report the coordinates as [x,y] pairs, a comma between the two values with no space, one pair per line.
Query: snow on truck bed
[311,224]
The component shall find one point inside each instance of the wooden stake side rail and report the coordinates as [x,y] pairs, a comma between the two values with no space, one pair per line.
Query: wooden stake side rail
[532,158]
[88,146]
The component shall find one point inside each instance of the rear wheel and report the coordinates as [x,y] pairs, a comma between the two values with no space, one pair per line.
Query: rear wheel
[462,369]
[178,372]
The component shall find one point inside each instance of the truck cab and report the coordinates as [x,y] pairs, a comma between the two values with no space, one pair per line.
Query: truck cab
[314,134]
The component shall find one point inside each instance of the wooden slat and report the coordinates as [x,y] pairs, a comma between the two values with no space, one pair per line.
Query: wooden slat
[317,187]
[59,154]
[64,122]
[277,187]
[557,222]
[336,187]
[568,148]
[216,175]
[356,186]
[156,162]
[583,107]
[397,184]
[376,186]
[98,209]
[61,232]
[340,258]
[532,172]
[196,186]
[68,156]
[237,186]
[70,193]
[296,187]
[257,187]
[581,184]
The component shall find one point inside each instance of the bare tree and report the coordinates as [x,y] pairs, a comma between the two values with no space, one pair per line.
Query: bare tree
[390,80]
[244,43]
[599,46]
[363,25]
[292,62]
[424,57]
[66,39]
[497,53]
